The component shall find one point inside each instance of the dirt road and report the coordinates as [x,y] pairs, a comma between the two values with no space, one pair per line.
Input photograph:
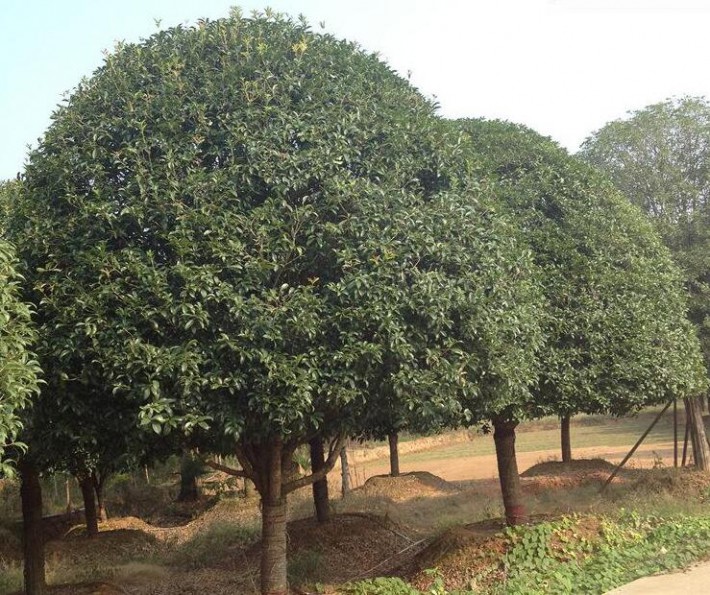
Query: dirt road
[485,467]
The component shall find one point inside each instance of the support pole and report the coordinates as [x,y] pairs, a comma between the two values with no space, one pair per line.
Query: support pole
[675,433]
[685,440]
[633,450]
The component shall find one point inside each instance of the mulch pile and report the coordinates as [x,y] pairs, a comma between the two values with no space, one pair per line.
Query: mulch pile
[417,484]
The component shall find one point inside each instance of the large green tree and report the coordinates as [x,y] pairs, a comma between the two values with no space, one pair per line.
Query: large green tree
[236,226]
[659,157]
[615,328]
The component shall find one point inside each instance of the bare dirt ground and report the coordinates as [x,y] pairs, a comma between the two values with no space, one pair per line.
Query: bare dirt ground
[386,526]
[485,467]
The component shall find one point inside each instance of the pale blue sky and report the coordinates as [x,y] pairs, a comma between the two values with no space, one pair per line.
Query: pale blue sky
[563,67]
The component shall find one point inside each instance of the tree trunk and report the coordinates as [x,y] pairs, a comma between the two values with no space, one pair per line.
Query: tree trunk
[274,578]
[98,483]
[565,438]
[33,539]
[87,493]
[701,452]
[344,472]
[504,436]
[394,454]
[67,487]
[189,490]
[320,488]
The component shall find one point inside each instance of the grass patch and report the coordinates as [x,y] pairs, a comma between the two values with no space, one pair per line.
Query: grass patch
[304,566]
[10,576]
[210,545]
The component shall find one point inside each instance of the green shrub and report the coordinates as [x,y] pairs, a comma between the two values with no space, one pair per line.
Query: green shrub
[10,576]
[380,586]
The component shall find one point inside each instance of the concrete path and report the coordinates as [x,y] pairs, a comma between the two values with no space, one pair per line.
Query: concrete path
[694,581]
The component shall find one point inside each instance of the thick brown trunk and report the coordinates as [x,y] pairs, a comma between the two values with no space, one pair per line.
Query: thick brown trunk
[701,452]
[87,492]
[189,490]
[98,483]
[320,488]
[394,454]
[504,436]
[565,439]
[274,578]
[344,471]
[33,540]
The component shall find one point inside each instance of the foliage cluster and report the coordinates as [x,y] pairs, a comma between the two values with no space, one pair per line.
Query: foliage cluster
[19,371]
[626,548]
[605,349]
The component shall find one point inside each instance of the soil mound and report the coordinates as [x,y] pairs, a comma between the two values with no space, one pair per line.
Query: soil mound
[349,546]
[458,554]
[557,475]
[576,466]
[96,588]
[417,484]
[686,482]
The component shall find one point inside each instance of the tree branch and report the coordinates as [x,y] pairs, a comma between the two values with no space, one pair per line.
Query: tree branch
[224,469]
[333,454]
[245,456]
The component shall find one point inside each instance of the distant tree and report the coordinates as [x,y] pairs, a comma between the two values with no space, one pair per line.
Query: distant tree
[616,337]
[234,227]
[659,157]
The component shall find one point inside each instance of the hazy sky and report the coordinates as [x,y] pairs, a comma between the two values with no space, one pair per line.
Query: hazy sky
[563,67]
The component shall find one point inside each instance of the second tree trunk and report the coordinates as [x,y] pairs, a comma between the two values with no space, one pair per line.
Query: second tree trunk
[504,436]
[320,488]
[394,454]
[87,492]
[33,539]
[701,453]
[566,439]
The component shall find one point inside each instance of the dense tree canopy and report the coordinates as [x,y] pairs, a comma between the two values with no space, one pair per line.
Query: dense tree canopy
[615,324]
[615,334]
[18,369]
[659,157]
[250,228]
